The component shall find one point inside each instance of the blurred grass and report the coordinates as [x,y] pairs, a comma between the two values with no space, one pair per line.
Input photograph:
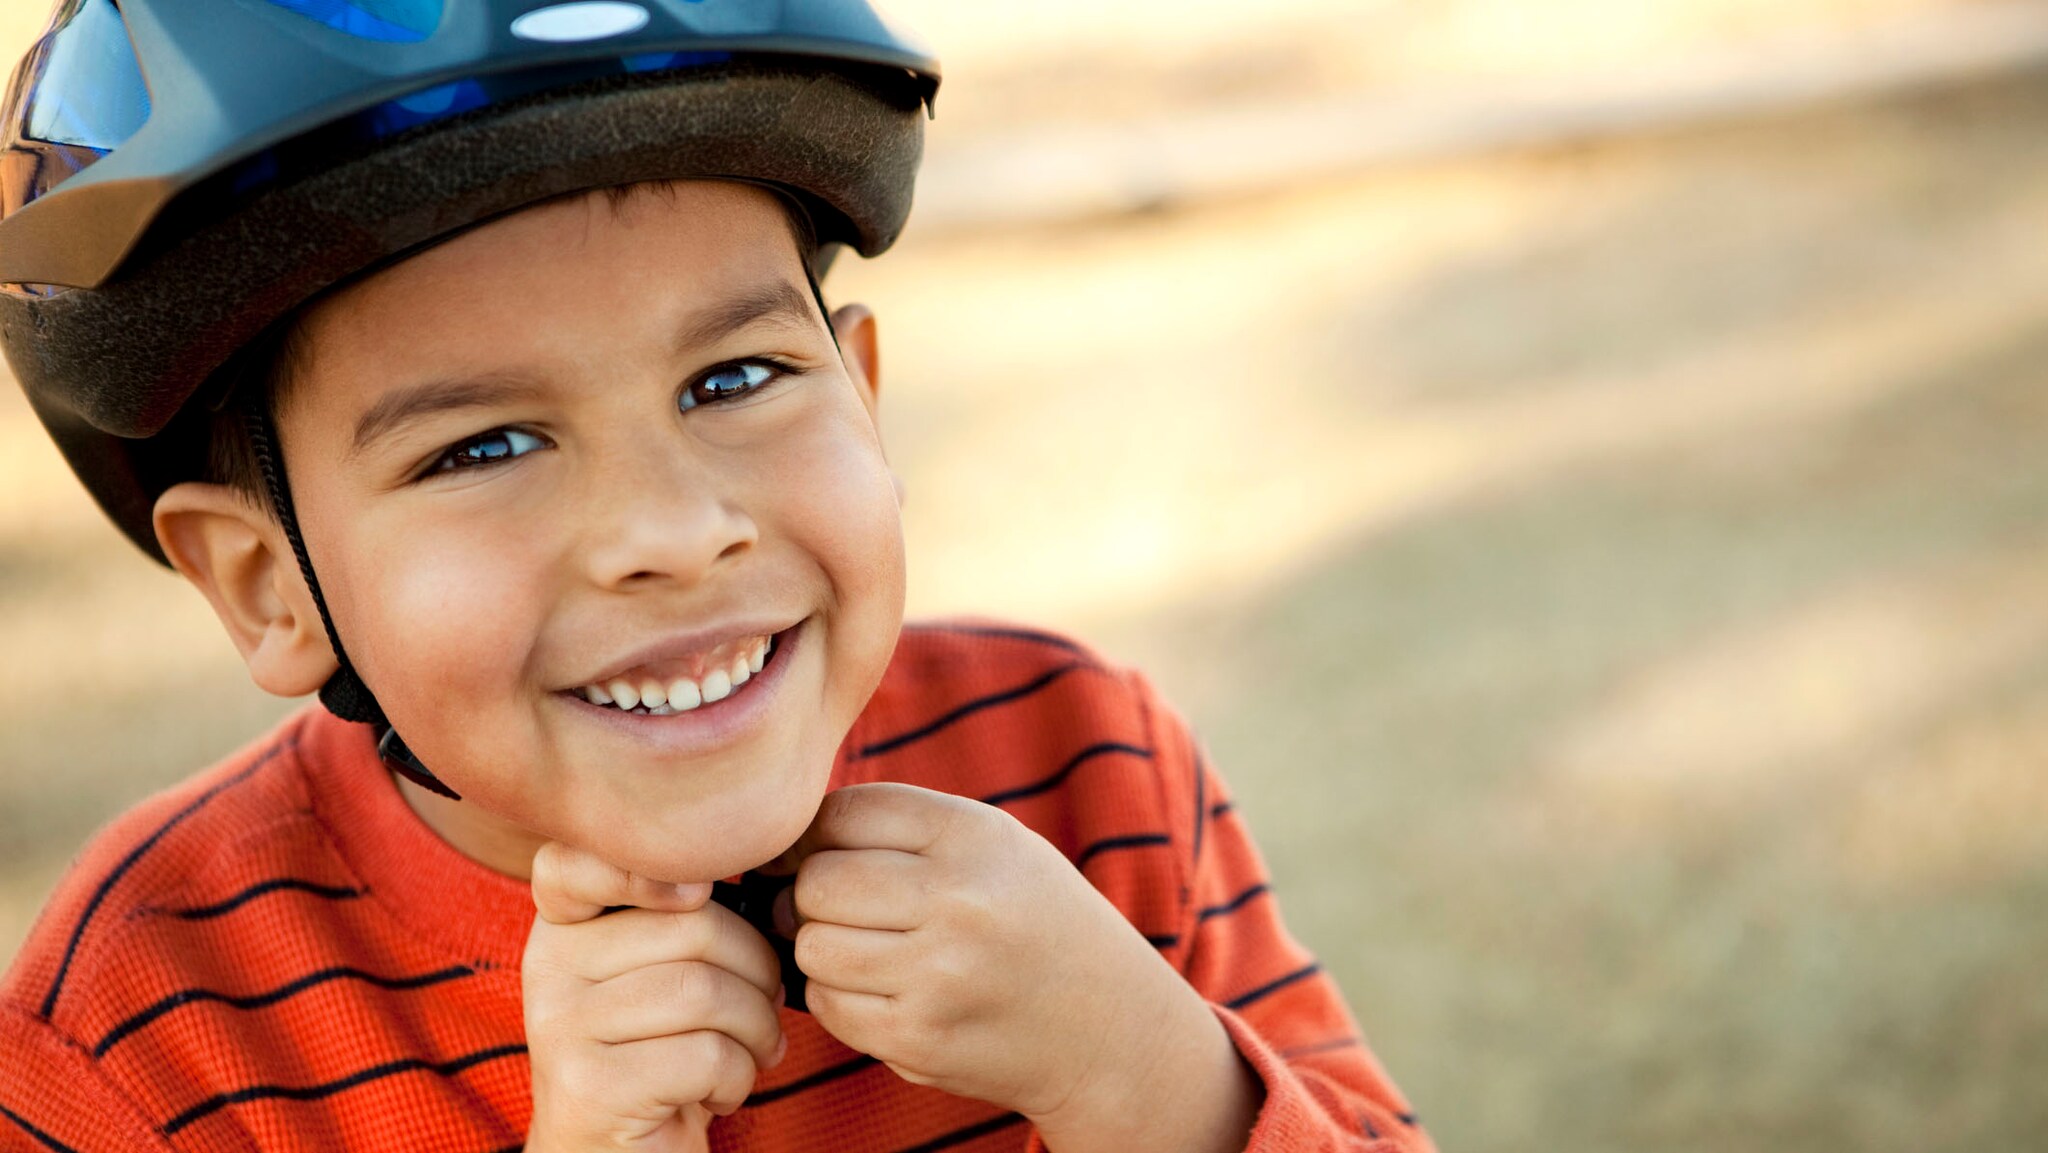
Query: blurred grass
[1611,579]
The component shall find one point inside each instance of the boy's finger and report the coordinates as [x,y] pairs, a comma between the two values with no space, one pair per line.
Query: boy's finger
[702,1067]
[861,1021]
[570,885]
[629,939]
[881,815]
[856,960]
[681,997]
[869,888]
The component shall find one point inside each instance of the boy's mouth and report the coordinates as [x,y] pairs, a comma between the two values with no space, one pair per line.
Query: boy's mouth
[669,687]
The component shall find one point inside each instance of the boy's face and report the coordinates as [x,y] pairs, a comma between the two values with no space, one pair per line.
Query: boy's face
[588,444]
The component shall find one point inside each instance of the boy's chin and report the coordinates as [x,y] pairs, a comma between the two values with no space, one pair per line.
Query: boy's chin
[712,852]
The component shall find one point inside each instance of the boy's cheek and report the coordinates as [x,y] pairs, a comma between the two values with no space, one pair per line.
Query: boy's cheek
[442,633]
[450,637]
[851,522]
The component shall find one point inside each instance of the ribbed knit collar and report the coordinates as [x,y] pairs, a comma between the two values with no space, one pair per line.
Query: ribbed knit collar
[425,883]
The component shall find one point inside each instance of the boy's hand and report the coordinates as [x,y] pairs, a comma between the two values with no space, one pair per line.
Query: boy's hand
[950,941]
[645,1022]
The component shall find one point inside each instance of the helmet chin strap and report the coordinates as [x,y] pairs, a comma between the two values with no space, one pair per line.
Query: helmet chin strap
[345,695]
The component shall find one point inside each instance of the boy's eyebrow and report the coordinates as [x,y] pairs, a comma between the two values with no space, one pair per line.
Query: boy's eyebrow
[780,302]
[397,407]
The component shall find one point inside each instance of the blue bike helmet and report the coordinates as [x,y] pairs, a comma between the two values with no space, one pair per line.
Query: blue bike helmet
[178,176]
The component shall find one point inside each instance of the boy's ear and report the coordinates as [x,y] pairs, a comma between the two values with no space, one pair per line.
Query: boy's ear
[858,346]
[234,553]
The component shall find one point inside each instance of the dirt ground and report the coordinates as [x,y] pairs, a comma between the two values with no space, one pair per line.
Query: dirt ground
[1612,580]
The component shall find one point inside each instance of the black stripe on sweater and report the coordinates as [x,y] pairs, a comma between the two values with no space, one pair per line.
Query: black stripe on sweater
[265,1000]
[276,884]
[135,854]
[1219,808]
[962,1136]
[1064,771]
[42,1138]
[1014,634]
[1273,986]
[822,1076]
[970,708]
[1233,904]
[1201,806]
[1112,844]
[315,1092]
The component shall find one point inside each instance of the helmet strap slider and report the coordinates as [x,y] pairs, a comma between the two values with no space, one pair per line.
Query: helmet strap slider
[399,759]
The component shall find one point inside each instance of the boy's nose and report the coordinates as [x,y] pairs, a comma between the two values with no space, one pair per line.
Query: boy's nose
[662,523]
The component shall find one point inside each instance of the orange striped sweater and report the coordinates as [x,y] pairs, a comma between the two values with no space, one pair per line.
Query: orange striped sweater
[278,954]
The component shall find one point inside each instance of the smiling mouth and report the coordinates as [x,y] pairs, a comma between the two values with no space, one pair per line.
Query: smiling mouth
[709,678]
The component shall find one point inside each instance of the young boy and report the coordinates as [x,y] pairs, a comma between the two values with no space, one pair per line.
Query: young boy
[470,362]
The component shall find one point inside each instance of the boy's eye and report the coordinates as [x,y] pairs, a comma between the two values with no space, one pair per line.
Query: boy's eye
[488,448]
[728,381]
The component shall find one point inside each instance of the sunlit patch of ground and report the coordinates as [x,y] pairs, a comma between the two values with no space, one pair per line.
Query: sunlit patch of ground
[1956,812]
[1824,685]
[1612,580]
[1075,61]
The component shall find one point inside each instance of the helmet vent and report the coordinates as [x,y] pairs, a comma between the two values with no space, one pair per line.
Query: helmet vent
[389,21]
[581,21]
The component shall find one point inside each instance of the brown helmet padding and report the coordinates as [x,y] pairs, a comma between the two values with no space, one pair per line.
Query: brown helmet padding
[109,369]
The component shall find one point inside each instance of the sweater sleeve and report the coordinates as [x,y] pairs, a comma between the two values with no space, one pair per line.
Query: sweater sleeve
[53,1096]
[1324,1089]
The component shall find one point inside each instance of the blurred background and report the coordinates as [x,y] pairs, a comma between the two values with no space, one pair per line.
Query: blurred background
[1579,465]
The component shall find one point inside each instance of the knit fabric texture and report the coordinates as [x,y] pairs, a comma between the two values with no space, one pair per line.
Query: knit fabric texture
[279,954]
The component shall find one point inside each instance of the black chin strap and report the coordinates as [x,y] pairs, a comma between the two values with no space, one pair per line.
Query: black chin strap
[344,694]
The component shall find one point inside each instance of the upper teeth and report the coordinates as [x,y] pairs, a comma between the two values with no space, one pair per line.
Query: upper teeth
[729,667]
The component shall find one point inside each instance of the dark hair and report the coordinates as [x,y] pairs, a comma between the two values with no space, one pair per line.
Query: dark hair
[262,373]
[266,369]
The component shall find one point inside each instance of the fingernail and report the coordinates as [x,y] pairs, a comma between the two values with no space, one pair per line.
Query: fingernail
[781,1050]
[784,912]
[692,893]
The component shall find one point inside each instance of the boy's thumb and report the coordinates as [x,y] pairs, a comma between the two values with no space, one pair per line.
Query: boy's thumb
[570,885]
